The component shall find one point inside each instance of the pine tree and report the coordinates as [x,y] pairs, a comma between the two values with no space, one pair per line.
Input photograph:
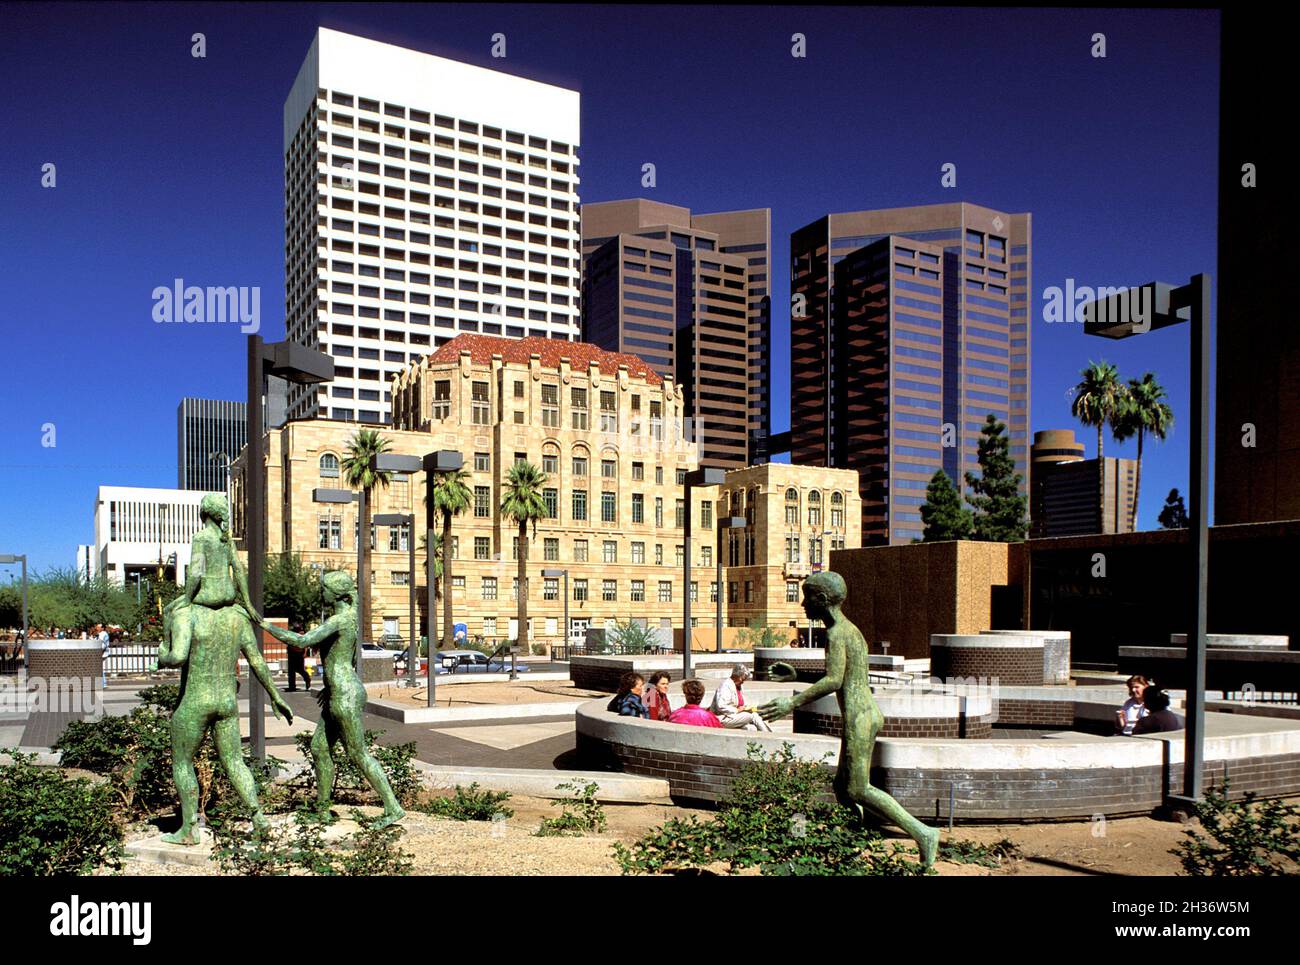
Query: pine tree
[944,516]
[1174,515]
[1000,509]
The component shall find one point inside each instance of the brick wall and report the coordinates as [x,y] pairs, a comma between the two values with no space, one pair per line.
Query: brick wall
[831,725]
[1012,666]
[54,664]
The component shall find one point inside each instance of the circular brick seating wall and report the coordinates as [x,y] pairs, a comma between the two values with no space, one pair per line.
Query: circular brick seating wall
[1056,651]
[1013,661]
[809,662]
[64,659]
[1069,776]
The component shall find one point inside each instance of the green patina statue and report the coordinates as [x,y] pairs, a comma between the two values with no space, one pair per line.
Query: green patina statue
[205,629]
[343,699]
[848,675]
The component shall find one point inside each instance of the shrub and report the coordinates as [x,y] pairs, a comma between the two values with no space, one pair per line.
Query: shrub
[633,638]
[53,825]
[579,814]
[469,804]
[779,816]
[1246,838]
[135,754]
[350,785]
[244,850]
[984,855]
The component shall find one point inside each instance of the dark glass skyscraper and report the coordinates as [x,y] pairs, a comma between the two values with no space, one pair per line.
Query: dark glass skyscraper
[908,326]
[205,428]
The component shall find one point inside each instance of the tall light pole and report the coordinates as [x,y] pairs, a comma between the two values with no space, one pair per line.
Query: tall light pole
[556,574]
[225,467]
[704,476]
[724,523]
[304,366]
[20,558]
[407,520]
[1121,316]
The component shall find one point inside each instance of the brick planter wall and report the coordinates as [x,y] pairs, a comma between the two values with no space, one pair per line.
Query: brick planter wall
[603,673]
[1012,661]
[831,725]
[63,659]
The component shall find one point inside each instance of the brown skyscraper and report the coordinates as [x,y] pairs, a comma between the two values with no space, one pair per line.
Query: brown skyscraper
[908,326]
[690,295]
[1063,497]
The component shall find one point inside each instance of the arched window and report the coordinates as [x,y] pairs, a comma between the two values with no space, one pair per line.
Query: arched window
[751,506]
[815,509]
[329,466]
[792,507]
[837,499]
[837,510]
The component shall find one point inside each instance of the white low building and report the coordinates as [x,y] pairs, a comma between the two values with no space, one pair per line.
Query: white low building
[136,529]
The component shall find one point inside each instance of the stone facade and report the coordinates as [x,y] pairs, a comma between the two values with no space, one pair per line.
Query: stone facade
[607,431]
[796,515]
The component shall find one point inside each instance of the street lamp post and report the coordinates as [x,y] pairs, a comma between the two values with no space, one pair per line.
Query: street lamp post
[1128,313]
[413,650]
[443,460]
[20,558]
[704,476]
[555,574]
[724,523]
[303,366]
[225,467]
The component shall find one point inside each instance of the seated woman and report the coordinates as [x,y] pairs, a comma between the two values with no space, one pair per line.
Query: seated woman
[691,712]
[627,702]
[1133,709]
[655,697]
[1159,717]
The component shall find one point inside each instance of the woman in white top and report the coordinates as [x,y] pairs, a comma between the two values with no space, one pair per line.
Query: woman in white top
[1133,710]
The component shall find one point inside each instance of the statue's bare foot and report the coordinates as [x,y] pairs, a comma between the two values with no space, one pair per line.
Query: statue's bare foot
[183,835]
[260,823]
[387,818]
[929,846]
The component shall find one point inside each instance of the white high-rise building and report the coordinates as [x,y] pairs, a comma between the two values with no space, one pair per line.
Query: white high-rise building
[423,198]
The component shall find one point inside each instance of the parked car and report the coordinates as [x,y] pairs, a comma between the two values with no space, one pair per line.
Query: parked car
[472,661]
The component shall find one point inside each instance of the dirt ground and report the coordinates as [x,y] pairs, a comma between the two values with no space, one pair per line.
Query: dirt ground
[476,694]
[1121,847]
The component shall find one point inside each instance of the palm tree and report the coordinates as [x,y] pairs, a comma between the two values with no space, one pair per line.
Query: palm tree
[1098,401]
[523,503]
[366,444]
[451,497]
[1144,411]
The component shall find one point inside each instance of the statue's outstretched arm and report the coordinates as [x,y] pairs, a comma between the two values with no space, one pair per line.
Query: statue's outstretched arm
[302,641]
[829,684]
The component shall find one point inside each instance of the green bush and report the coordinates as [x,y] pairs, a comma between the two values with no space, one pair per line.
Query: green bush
[469,804]
[53,825]
[241,849]
[633,638]
[579,814]
[350,785]
[779,816]
[1247,838]
[984,855]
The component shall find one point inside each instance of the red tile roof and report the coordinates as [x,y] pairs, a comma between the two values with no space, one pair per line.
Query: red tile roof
[520,350]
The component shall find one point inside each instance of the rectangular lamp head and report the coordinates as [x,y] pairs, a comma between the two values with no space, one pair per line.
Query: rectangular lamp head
[390,519]
[706,476]
[392,462]
[332,496]
[733,522]
[1132,311]
[297,363]
[444,460]
[9,558]
[553,572]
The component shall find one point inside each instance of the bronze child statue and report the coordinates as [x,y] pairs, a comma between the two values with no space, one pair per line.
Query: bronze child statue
[343,698]
[206,628]
[848,676]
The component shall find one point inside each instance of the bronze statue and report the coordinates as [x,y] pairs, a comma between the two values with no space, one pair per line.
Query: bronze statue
[342,699]
[204,631]
[848,675]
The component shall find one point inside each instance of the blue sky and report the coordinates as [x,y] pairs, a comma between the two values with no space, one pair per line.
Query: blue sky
[170,166]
